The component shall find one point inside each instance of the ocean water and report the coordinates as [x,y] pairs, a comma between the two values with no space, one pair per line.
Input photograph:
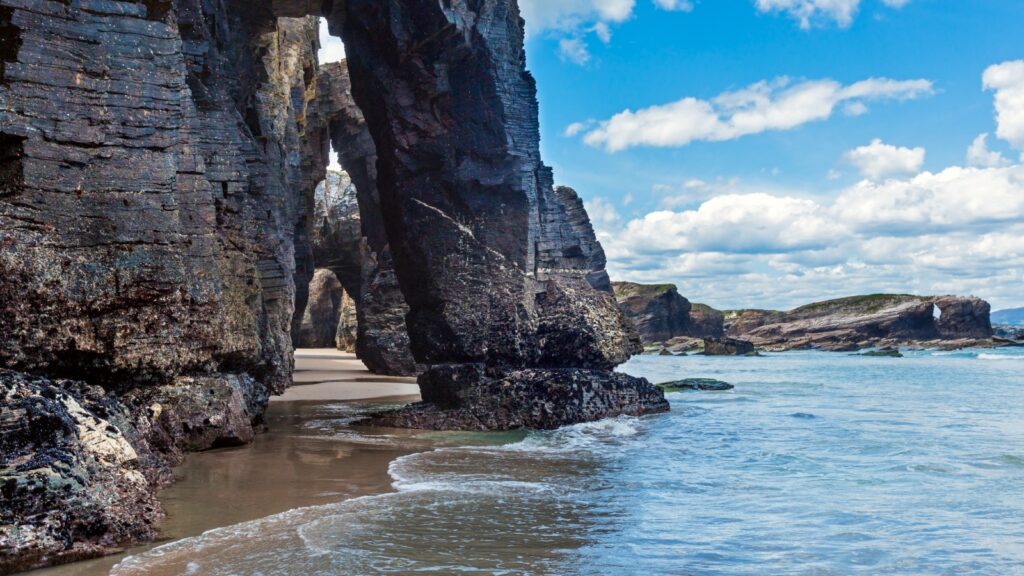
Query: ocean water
[816,464]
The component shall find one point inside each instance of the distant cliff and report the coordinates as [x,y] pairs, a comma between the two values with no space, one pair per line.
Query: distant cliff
[660,313]
[866,321]
[1009,317]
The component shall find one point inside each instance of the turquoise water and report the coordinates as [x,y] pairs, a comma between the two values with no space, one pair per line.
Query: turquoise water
[816,464]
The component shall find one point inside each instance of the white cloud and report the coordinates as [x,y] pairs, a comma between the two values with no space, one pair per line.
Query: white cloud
[957,231]
[806,11]
[602,212]
[575,128]
[1007,79]
[811,12]
[544,15]
[603,31]
[675,5]
[776,105]
[954,198]
[573,50]
[980,156]
[879,160]
[332,49]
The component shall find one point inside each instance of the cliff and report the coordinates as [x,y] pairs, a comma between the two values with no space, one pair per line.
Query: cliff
[661,314]
[866,321]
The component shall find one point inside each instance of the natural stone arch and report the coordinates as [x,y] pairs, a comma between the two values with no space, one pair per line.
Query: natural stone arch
[499,278]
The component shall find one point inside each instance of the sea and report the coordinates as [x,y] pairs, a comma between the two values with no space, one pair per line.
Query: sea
[816,463]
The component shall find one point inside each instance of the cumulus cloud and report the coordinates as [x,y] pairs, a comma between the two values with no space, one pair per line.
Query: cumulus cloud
[979,155]
[332,49]
[776,105]
[879,160]
[1007,80]
[811,12]
[952,231]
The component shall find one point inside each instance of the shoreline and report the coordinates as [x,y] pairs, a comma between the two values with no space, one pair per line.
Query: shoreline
[292,464]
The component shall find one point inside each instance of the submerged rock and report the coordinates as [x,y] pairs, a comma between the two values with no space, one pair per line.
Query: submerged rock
[883,353]
[728,347]
[695,384]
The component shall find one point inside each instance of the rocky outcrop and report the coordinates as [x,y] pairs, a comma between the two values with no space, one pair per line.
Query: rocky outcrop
[348,325]
[476,230]
[157,169]
[728,347]
[658,311]
[76,477]
[661,314]
[504,399]
[706,322]
[154,181]
[319,328]
[860,322]
[156,184]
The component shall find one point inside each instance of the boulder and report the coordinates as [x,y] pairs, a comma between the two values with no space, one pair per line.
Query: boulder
[695,384]
[728,347]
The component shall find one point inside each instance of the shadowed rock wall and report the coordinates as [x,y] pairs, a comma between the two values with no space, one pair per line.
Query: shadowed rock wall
[157,163]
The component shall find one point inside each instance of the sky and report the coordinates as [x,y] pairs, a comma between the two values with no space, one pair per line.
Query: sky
[771,153]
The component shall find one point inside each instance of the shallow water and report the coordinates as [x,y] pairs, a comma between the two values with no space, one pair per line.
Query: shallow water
[817,463]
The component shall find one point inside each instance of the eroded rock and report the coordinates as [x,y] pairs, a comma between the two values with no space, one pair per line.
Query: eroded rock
[76,477]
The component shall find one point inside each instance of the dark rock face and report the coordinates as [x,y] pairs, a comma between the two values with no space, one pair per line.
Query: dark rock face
[156,184]
[658,311]
[154,179]
[319,328]
[341,242]
[501,399]
[963,317]
[728,347]
[879,320]
[76,477]
[661,314]
[476,230]
[706,322]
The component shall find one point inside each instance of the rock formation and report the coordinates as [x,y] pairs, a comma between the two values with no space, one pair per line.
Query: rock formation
[158,163]
[342,242]
[320,320]
[657,310]
[157,205]
[728,347]
[75,476]
[497,291]
[859,322]
[348,325]
[661,314]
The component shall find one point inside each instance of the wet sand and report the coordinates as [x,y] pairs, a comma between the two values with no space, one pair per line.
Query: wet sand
[295,463]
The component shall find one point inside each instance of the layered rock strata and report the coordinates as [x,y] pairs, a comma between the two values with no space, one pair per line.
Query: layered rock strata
[496,279]
[663,316]
[859,322]
[156,183]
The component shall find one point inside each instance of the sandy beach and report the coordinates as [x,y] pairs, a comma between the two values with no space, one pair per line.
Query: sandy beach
[295,463]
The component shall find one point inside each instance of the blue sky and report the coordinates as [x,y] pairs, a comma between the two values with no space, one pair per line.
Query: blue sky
[768,153]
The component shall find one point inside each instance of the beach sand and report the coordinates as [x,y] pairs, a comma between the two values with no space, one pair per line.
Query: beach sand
[294,463]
